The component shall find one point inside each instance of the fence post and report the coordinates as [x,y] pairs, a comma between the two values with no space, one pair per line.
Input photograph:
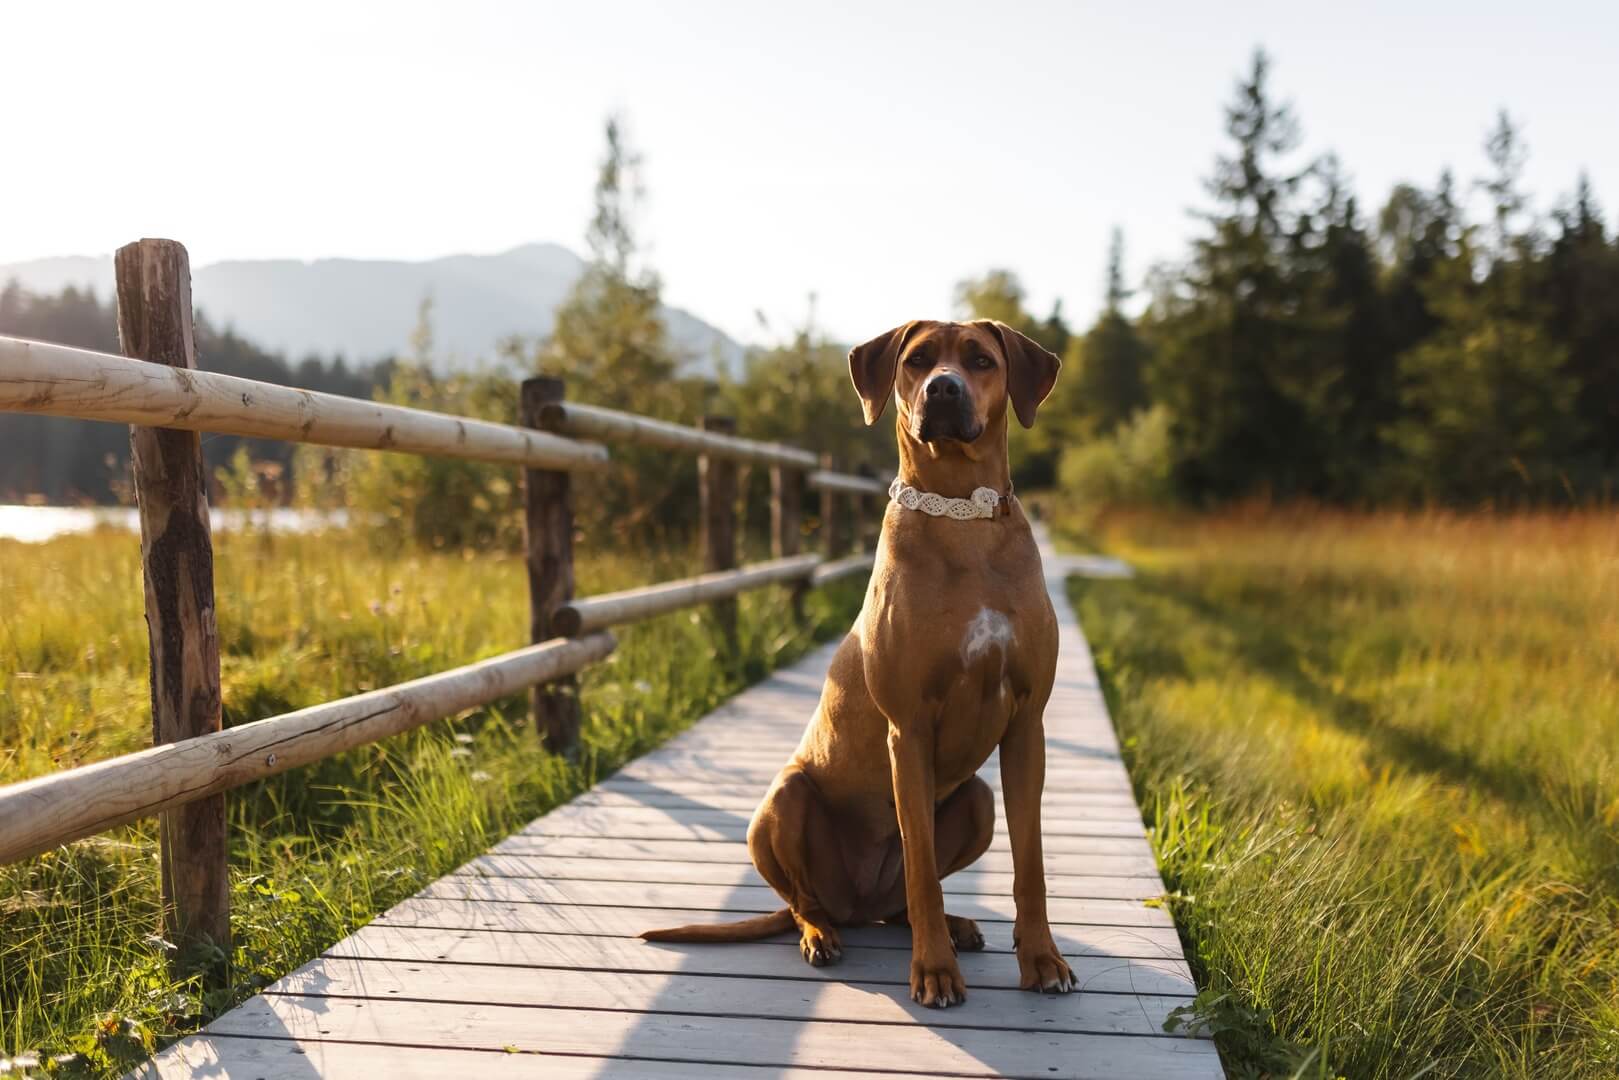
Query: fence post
[548,532]
[787,524]
[831,526]
[786,511]
[177,564]
[717,484]
[871,513]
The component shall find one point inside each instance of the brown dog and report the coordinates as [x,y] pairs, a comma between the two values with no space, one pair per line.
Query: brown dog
[953,655]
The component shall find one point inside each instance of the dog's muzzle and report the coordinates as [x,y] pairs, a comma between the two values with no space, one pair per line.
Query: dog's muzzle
[947,410]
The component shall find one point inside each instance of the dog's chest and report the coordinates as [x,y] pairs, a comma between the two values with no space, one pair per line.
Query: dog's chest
[962,668]
[978,690]
[960,640]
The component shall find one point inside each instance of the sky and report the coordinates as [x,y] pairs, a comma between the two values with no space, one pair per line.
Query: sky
[871,154]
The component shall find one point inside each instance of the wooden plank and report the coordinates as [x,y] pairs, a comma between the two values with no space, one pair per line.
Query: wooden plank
[177,566]
[708,851]
[609,819]
[656,772]
[740,750]
[1131,941]
[628,791]
[684,992]
[56,380]
[229,1057]
[962,883]
[694,807]
[914,1048]
[1114,806]
[758,898]
[36,815]
[774,959]
[736,834]
[743,761]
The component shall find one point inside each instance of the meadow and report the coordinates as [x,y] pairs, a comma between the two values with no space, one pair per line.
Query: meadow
[85,983]
[1379,758]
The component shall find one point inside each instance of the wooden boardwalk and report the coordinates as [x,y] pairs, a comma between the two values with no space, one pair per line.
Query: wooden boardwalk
[525,962]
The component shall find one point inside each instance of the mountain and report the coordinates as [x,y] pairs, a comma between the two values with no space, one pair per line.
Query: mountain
[366,308]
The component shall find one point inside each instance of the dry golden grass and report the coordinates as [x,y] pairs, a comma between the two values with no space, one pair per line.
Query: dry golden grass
[1381,756]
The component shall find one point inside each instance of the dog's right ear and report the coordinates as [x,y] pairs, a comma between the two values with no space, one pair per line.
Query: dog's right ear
[872,367]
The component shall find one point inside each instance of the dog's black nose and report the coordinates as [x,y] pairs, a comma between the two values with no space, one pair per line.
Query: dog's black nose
[945,385]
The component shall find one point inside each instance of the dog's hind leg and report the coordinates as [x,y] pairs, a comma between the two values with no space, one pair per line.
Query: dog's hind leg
[963,827]
[794,845]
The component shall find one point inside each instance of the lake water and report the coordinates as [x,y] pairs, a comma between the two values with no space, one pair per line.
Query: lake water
[36,524]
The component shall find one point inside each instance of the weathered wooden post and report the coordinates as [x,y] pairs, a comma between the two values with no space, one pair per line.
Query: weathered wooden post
[787,524]
[717,486]
[871,513]
[548,529]
[786,511]
[831,526]
[177,562]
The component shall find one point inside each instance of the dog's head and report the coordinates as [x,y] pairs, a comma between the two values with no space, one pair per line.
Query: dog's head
[952,380]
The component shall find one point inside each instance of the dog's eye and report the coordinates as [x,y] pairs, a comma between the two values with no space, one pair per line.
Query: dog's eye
[982,362]
[918,360]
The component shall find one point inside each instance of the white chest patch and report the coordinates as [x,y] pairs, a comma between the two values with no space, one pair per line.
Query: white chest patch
[989,629]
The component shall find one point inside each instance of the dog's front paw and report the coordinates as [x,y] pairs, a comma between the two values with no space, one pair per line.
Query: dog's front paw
[937,984]
[820,946]
[964,934]
[1041,967]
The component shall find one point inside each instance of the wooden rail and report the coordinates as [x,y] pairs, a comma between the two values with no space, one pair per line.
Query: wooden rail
[632,605]
[55,380]
[36,815]
[610,425]
[157,389]
[825,480]
[837,569]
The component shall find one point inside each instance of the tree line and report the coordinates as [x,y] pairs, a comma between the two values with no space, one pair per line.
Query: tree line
[1302,348]
[1305,348]
[76,461]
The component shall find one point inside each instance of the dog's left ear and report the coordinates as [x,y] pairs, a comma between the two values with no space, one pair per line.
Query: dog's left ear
[872,367]
[1031,370]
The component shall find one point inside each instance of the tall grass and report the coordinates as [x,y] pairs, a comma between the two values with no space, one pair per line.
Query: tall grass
[1380,756]
[84,976]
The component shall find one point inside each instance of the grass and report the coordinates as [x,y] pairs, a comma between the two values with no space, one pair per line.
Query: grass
[85,985]
[1379,756]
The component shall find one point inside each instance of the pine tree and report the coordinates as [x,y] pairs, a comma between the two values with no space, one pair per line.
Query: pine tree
[1488,403]
[1417,231]
[1579,284]
[609,340]
[1230,368]
[1109,363]
[610,343]
[1344,375]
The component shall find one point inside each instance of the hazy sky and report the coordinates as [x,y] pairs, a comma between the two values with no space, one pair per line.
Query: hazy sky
[871,153]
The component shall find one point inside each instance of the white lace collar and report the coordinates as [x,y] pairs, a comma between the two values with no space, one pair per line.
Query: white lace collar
[984,502]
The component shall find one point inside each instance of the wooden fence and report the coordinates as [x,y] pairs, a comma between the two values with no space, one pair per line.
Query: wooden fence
[157,388]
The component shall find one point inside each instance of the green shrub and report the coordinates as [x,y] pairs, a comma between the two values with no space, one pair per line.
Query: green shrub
[1130,466]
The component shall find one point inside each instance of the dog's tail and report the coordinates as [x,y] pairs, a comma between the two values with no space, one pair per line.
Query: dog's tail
[760,926]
